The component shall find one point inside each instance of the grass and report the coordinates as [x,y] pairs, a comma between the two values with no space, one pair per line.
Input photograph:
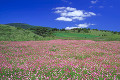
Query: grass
[64,34]
[10,33]
[92,35]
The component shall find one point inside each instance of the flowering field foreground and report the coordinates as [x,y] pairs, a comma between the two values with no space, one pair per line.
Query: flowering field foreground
[60,60]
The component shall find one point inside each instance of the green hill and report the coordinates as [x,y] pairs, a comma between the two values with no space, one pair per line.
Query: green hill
[90,35]
[64,34]
[26,32]
[10,33]
[24,26]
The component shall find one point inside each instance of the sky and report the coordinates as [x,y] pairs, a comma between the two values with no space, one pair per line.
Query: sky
[68,14]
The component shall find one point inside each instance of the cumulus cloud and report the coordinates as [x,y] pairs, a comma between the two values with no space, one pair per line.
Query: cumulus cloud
[94,2]
[64,19]
[69,28]
[85,25]
[72,14]
[78,18]
[60,8]
[70,9]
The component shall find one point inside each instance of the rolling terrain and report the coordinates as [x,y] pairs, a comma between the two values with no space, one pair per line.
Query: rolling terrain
[25,32]
[91,35]
[10,33]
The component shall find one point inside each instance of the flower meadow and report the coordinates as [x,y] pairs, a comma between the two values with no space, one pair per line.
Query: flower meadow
[60,60]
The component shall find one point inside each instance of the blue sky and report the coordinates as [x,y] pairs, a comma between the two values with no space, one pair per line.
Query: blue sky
[94,14]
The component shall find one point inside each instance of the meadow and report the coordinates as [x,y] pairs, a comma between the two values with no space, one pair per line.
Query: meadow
[60,60]
[25,32]
[64,34]
[91,35]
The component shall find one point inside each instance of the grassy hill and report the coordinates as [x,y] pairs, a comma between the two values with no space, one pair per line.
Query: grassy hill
[24,26]
[91,35]
[17,33]
[21,25]
[10,33]
[64,34]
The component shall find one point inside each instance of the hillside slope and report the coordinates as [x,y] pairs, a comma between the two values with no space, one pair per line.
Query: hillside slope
[10,33]
[21,25]
[24,26]
[91,35]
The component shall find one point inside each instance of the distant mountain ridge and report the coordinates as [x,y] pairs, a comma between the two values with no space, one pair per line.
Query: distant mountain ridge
[22,25]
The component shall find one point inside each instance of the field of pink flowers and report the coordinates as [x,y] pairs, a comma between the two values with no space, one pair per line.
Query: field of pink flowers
[60,60]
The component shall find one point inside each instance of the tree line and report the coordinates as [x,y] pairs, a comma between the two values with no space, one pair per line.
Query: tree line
[45,31]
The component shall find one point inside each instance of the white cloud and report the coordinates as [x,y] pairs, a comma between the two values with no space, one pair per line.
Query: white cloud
[70,9]
[91,13]
[60,7]
[75,13]
[69,28]
[72,13]
[58,11]
[64,19]
[78,18]
[85,25]
[94,2]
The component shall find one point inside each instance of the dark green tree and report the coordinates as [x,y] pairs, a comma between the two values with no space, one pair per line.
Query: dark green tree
[85,30]
[55,29]
[63,29]
[79,30]
[42,31]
